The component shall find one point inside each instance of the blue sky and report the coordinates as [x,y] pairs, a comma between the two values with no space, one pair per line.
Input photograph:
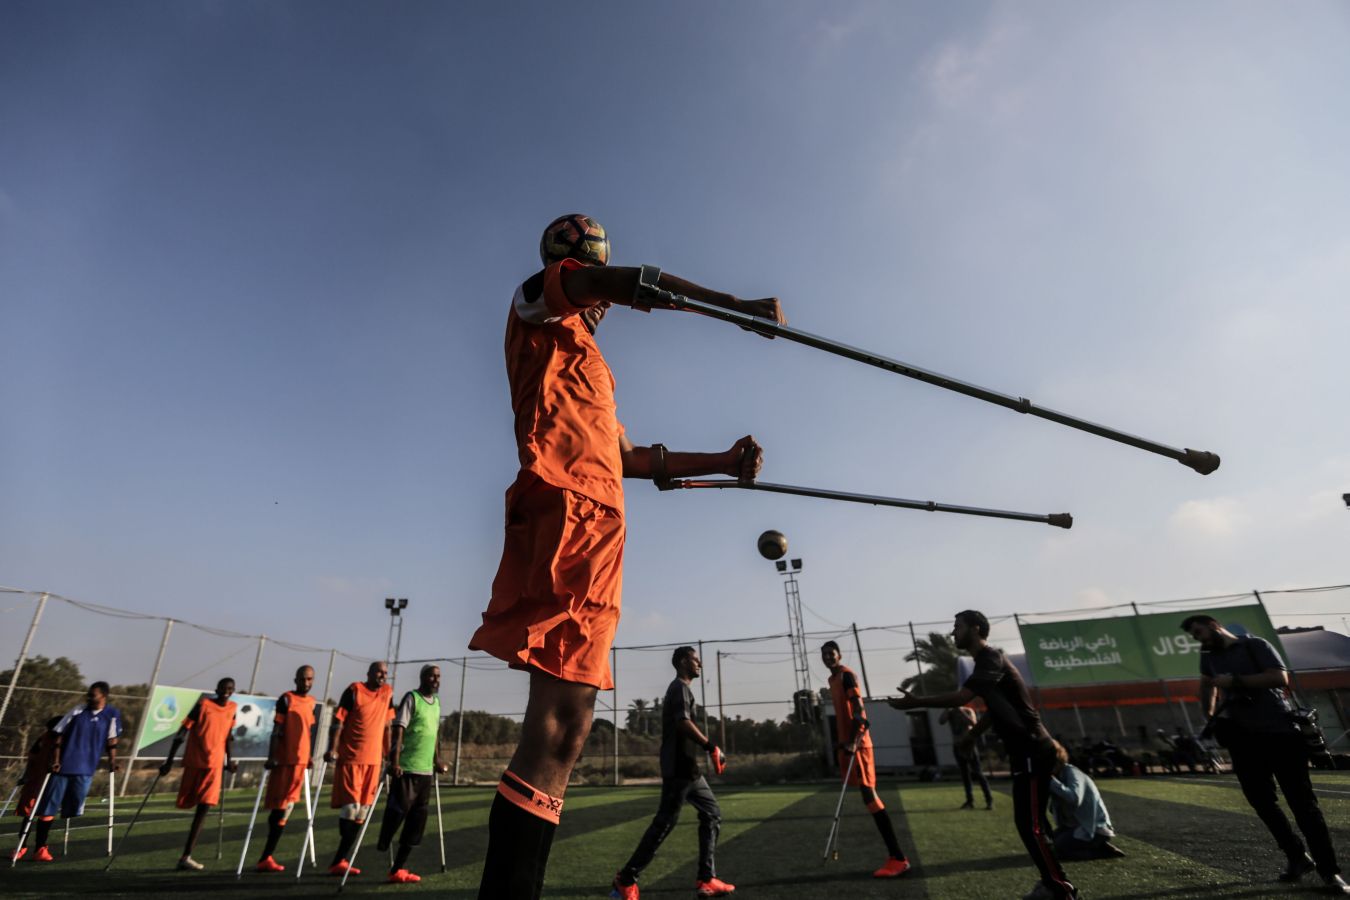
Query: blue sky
[255,261]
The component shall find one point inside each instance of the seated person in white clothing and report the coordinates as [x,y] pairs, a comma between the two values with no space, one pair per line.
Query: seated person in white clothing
[1082,824]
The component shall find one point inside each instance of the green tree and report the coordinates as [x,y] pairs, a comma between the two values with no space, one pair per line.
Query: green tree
[46,688]
[937,655]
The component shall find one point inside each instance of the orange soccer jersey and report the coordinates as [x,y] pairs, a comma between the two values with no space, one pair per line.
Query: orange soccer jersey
[365,725]
[556,598]
[295,716]
[209,725]
[846,694]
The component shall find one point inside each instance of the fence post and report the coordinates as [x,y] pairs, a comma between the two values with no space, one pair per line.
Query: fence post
[459,733]
[923,682]
[328,680]
[703,690]
[862,664]
[149,695]
[257,661]
[721,713]
[614,673]
[23,653]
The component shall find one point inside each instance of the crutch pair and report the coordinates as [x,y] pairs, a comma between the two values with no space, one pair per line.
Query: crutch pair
[440,825]
[308,844]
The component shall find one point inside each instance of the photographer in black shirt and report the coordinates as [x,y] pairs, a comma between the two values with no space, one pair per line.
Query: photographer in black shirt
[682,748]
[1254,724]
[1031,751]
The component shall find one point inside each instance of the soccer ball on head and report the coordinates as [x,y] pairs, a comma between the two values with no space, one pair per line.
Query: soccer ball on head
[575,236]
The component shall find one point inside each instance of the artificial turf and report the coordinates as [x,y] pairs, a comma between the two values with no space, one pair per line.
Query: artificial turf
[1185,836]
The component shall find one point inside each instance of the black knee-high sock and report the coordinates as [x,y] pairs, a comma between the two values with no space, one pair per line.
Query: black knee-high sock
[44,828]
[517,855]
[274,829]
[348,829]
[888,833]
[401,857]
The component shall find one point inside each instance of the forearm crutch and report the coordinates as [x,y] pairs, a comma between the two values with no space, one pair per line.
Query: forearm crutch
[220,819]
[28,820]
[650,295]
[132,823]
[248,835]
[1059,520]
[832,842]
[65,842]
[308,845]
[440,823]
[112,794]
[361,835]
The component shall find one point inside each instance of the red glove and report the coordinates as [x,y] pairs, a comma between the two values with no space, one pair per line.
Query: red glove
[719,759]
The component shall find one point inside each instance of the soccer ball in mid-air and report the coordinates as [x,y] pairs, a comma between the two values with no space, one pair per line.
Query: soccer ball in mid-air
[575,236]
[772,545]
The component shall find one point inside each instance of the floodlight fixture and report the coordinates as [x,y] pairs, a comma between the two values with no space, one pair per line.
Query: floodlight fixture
[781,565]
[796,565]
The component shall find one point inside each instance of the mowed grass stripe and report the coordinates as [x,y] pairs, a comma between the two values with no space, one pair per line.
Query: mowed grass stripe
[1225,836]
[582,866]
[977,853]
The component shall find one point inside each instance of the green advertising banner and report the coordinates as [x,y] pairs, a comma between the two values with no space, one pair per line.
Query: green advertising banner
[1128,648]
[167,709]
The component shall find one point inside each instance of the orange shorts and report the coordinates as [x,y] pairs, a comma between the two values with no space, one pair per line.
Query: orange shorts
[555,600]
[284,784]
[199,786]
[354,783]
[864,772]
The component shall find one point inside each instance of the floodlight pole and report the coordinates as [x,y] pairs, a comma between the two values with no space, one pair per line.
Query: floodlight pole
[396,606]
[23,653]
[801,669]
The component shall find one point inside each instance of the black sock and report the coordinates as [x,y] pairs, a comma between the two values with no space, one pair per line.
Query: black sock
[347,832]
[517,854]
[274,829]
[888,833]
[401,857]
[44,828]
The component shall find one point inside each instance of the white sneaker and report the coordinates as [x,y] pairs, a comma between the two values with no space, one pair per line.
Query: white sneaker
[188,864]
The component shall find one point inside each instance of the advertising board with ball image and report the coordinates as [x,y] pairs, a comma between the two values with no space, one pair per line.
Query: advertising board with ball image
[169,706]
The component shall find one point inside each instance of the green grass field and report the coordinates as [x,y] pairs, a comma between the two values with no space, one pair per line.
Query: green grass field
[1184,836]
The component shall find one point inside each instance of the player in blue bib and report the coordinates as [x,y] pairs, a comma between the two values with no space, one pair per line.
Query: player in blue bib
[83,735]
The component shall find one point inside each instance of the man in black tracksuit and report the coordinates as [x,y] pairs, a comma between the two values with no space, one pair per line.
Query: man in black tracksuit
[1031,751]
[1254,724]
[682,746]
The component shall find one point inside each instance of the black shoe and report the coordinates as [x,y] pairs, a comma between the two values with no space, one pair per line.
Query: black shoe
[1336,884]
[1297,868]
[989,804]
[1112,851]
[969,804]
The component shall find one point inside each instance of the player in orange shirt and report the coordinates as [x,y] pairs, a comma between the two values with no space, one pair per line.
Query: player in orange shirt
[288,760]
[40,757]
[209,730]
[358,741]
[850,729]
[555,600]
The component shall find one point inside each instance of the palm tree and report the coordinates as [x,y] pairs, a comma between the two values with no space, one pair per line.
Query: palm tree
[937,658]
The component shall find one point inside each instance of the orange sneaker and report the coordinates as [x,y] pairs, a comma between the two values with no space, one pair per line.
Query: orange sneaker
[402,876]
[44,855]
[713,887]
[268,864]
[622,891]
[894,868]
[340,868]
[23,851]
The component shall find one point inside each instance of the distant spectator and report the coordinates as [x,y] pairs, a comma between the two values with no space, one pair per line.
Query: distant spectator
[1082,825]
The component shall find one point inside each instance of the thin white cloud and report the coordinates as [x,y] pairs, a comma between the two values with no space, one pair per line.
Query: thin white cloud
[1217,518]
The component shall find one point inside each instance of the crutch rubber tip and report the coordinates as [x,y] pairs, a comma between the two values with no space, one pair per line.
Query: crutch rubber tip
[1201,461]
[1060,520]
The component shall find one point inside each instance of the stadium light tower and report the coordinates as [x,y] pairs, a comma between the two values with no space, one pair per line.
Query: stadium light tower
[396,606]
[773,546]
